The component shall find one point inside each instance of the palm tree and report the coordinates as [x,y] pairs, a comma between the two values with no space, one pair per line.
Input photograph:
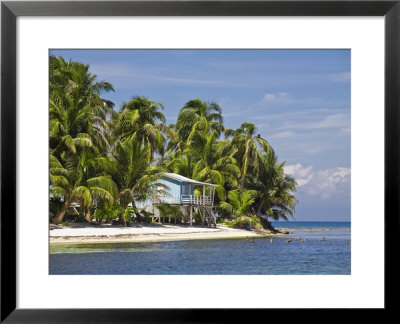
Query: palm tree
[274,189]
[75,78]
[66,129]
[199,115]
[239,203]
[78,116]
[69,183]
[59,74]
[83,84]
[212,166]
[142,117]
[135,178]
[175,146]
[203,160]
[246,148]
[183,165]
[281,203]
[118,158]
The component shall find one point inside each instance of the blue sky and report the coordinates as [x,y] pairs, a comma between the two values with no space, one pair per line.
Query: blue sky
[298,99]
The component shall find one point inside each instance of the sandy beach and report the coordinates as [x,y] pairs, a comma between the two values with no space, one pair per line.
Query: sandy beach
[86,233]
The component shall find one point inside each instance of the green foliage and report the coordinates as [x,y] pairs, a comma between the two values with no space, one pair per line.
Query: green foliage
[256,222]
[239,203]
[171,213]
[228,223]
[55,206]
[141,118]
[244,223]
[80,219]
[109,212]
[127,214]
[146,215]
[117,158]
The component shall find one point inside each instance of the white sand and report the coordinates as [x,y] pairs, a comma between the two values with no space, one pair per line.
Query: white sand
[147,232]
[118,230]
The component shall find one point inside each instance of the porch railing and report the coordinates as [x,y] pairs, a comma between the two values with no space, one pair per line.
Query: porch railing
[196,200]
[185,200]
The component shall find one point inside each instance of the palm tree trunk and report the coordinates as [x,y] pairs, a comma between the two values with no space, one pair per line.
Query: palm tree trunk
[138,216]
[267,225]
[88,215]
[241,186]
[121,219]
[60,216]
[258,213]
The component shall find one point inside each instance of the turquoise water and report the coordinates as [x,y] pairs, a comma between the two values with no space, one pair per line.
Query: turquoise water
[312,225]
[216,257]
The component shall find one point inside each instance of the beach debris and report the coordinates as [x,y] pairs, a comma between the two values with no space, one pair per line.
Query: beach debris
[323,239]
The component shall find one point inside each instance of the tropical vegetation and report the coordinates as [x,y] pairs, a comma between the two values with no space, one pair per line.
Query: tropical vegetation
[105,161]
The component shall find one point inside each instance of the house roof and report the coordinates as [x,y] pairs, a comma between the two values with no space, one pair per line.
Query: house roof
[180,178]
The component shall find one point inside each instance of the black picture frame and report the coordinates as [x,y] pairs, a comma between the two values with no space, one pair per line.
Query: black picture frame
[10,10]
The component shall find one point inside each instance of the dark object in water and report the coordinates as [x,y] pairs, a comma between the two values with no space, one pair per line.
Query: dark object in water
[323,239]
[288,241]
[250,239]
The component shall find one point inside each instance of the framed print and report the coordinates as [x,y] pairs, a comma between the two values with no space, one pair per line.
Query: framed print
[238,86]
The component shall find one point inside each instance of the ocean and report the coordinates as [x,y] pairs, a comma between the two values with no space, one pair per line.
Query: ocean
[331,255]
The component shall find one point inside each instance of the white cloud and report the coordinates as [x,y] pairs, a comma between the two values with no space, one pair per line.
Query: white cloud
[302,175]
[339,120]
[332,121]
[285,134]
[281,97]
[330,182]
[322,183]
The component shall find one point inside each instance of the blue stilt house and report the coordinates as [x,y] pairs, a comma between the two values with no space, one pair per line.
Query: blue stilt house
[180,191]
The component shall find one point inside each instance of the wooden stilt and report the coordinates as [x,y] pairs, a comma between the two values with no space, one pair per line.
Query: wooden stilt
[201,214]
[191,215]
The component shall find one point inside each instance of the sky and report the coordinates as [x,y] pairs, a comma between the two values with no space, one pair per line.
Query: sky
[299,101]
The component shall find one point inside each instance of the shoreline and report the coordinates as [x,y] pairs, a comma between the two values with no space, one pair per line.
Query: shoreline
[148,233]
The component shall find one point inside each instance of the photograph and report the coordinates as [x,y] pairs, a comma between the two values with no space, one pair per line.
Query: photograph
[188,153]
[199,161]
